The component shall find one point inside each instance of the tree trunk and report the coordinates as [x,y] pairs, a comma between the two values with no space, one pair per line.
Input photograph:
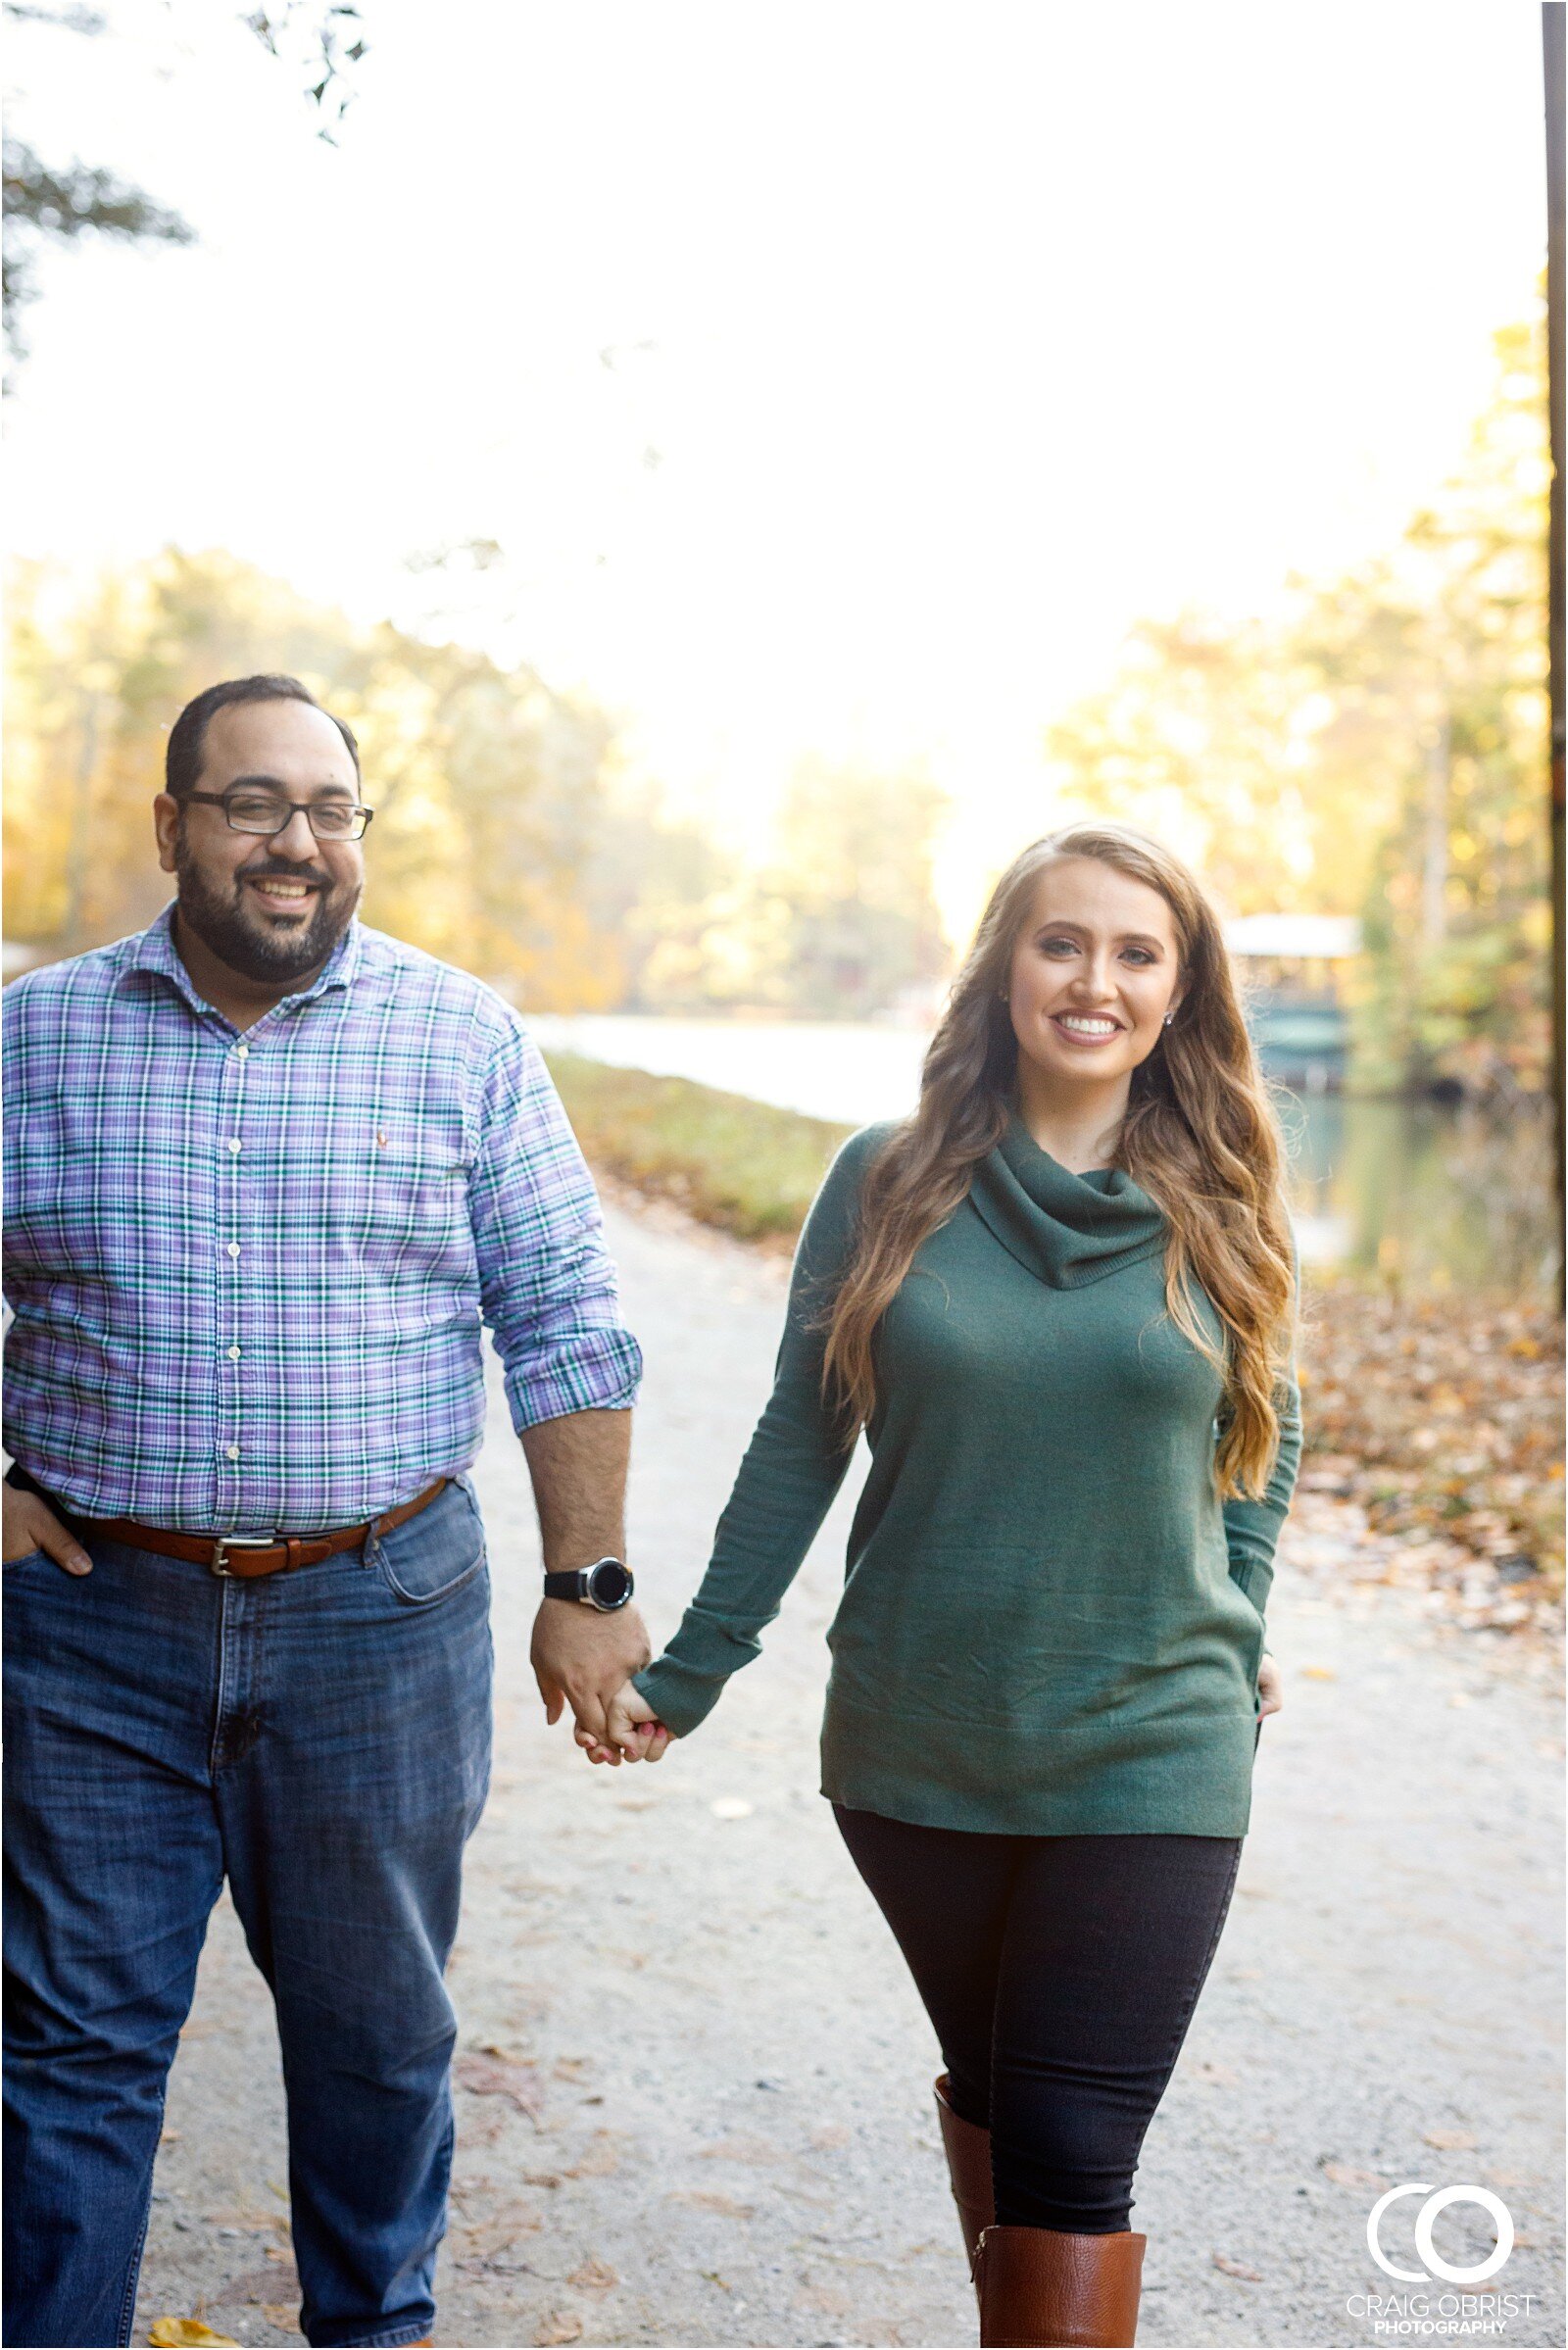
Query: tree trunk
[1552,25]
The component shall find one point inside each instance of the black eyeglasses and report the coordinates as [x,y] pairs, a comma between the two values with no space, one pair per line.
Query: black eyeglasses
[268,812]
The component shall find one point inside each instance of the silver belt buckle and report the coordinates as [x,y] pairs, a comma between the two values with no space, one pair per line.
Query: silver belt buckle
[226,1542]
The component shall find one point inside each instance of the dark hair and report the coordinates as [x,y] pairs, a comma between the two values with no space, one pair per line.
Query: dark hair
[187,737]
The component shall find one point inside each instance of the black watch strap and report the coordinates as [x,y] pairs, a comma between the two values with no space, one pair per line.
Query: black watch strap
[606,1585]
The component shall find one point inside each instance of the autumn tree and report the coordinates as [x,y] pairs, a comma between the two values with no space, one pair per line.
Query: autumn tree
[843,915]
[1376,751]
[487,784]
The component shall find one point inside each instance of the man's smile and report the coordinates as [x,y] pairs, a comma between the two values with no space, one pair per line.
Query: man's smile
[285,896]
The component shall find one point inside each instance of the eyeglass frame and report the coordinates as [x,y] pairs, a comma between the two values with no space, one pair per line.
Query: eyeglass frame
[295,807]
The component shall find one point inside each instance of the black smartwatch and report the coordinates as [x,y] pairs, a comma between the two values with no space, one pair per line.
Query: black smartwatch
[606,1585]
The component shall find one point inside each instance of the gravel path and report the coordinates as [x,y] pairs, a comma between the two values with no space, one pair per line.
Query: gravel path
[696,2104]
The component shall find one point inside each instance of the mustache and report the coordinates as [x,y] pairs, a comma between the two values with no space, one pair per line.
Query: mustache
[273,869]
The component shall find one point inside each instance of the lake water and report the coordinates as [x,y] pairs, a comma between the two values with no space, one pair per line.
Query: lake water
[1432,1197]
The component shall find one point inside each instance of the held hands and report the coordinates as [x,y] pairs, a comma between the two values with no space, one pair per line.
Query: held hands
[582,1658]
[1270,1687]
[29,1524]
[585,1659]
[633,1730]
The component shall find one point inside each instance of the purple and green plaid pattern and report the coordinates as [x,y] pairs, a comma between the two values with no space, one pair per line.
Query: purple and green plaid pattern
[249,1272]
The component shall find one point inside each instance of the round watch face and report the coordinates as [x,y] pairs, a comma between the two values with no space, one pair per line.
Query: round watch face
[610,1583]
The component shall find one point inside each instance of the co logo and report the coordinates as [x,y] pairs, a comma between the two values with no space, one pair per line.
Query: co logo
[1438,2199]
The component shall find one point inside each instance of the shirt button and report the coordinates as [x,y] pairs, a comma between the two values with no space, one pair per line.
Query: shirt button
[234,1354]
[233,1453]
[233,1146]
[233,1248]
[242,1052]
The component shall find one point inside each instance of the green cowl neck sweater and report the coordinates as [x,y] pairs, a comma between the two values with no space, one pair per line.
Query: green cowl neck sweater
[1049,1624]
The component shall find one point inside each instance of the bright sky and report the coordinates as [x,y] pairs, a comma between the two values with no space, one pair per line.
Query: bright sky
[943,342]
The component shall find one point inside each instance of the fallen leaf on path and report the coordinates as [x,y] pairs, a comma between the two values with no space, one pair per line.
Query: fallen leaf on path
[484,2238]
[1238,2267]
[742,2149]
[283,2313]
[601,2158]
[1345,2174]
[595,2277]
[484,2075]
[716,2202]
[1318,1673]
[175,2333]
[1452,2142]
[562,2327]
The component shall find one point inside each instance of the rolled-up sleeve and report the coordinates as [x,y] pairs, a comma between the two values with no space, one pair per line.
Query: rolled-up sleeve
[547,1284]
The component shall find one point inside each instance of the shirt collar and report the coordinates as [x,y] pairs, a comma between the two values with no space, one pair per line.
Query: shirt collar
[154,951]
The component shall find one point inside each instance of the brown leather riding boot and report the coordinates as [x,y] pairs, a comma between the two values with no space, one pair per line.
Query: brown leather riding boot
[1043,2289]
[968,2151]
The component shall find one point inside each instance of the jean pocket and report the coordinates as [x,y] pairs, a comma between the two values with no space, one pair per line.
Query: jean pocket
[434,1554]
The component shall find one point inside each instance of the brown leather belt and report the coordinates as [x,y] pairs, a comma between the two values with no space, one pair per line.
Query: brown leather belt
[236,1554]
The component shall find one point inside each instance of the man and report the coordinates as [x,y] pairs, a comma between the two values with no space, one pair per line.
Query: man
[267,1170]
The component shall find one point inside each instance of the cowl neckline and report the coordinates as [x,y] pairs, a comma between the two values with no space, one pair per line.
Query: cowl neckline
[1067,1230]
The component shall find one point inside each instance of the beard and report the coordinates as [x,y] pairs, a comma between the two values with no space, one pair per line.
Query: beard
[232,925]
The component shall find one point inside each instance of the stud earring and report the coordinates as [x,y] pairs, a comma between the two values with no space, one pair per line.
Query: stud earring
[1170,1016]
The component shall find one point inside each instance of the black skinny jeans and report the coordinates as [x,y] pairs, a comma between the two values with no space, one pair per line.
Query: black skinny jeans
[1061,1973]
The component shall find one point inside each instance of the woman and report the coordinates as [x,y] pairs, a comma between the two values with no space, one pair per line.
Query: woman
[1059,1301]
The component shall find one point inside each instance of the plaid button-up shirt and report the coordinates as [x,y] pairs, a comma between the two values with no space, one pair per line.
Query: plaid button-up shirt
[249,1271]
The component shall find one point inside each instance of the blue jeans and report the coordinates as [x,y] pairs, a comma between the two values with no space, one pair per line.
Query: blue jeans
[321,1739]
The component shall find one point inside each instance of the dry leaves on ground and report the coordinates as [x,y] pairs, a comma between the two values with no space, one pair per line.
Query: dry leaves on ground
[484,2073]
[742,2151]
[1345,2174]
[593,2276]
[1238,2267]
[1442,1417]
[600,2158]
[187,2333]
[261,2286]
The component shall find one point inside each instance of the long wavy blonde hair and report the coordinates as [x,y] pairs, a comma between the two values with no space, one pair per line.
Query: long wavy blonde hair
[1201,1136]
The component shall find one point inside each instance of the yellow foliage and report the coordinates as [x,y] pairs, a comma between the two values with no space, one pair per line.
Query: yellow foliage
[487,785]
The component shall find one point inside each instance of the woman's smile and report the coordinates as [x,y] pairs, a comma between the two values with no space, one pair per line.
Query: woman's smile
[1085,1030]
